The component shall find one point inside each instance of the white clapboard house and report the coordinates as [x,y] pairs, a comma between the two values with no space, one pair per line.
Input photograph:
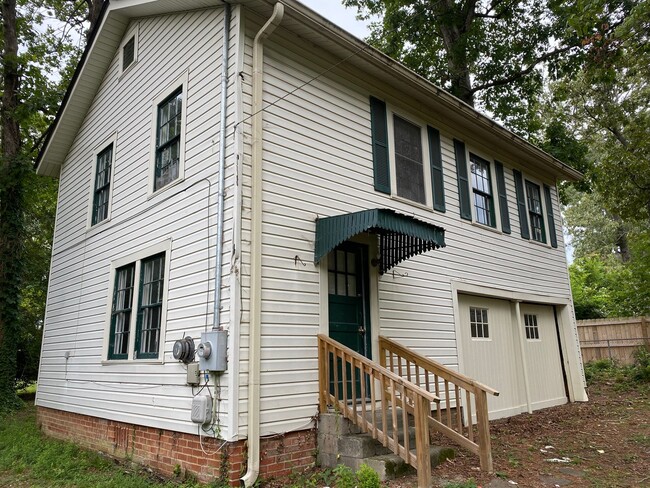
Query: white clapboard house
[251,171]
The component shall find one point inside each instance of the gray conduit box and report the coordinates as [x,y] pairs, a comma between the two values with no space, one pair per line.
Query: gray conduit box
[212,351]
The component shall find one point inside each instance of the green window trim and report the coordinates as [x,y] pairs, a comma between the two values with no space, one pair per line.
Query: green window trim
[521,204]
[380,156]
[535,212]
[549,212]
[503,198]
[121,311]
[102,185]
[463,180]
[482,191]
[150,302]
[168,139]
[437,176]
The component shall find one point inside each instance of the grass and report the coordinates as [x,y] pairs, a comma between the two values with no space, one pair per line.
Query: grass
[29,459]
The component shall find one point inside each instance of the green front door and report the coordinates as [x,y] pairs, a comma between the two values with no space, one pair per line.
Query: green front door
[349,305]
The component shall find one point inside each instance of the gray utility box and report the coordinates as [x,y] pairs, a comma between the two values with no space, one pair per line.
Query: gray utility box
[212,351]
[201,410]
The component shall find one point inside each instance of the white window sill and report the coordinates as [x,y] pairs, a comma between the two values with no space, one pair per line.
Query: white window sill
[397,198]
[109,362]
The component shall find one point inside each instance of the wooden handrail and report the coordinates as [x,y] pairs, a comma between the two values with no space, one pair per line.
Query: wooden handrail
[444,372]
[382,392]
[433,375]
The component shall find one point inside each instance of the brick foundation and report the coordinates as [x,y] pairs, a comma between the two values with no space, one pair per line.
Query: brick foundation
[164,451]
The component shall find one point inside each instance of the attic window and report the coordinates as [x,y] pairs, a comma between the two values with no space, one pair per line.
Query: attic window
[128,53]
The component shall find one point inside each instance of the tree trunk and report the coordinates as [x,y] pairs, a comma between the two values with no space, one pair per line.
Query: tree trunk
[11,196]
[454,24]
[94,8]
[622,243]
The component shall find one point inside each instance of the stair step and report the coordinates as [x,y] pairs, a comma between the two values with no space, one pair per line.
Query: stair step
[391,466]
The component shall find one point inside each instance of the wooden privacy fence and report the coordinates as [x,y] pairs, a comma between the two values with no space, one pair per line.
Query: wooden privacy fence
[370,396]
[450,387]
[614,338]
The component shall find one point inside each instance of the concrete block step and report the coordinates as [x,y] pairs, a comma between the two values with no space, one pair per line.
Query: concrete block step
[391,466]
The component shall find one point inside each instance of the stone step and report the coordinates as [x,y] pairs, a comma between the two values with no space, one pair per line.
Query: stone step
[391,466]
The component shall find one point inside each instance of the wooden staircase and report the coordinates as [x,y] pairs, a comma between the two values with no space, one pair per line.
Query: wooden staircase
[397,402]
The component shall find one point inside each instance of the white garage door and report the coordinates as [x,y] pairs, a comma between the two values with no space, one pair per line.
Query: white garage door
[542,356]
[492,353]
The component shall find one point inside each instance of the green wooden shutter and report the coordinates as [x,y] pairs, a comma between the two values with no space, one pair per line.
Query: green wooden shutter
[379,128]
[551,219]
[463,181]
[503,198]
[437,180]
[521,204]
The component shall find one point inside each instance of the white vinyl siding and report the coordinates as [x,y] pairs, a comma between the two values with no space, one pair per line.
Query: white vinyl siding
[318,162]
[74,375]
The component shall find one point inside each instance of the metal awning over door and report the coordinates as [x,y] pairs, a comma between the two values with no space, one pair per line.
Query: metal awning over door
[400,236]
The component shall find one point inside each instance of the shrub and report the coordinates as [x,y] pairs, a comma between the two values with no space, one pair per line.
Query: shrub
[641,368]
[344,477]
[367,477]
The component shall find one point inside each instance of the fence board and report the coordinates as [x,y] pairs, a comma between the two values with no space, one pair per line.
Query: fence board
[613,338]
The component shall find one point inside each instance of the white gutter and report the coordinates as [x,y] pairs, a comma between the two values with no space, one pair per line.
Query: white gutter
[256,251]
[222,165]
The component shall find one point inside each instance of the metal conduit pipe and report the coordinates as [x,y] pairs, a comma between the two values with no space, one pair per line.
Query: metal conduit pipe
[256,251]
[225,55]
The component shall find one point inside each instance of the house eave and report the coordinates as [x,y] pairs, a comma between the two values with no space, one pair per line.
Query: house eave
[304,22]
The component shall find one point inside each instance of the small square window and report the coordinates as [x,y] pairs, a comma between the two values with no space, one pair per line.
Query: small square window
[532,329]
[128,53]
[478,320]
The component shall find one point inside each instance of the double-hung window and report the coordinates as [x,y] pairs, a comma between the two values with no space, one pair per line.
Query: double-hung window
[535,212]
[482,191]
[407,157]
[168,139]
[102,185]
[409,160]
[169,114]
[137,314]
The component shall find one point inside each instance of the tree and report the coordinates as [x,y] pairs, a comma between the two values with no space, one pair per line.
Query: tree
[609,101]
[487,53]
[35,68]
[11,195]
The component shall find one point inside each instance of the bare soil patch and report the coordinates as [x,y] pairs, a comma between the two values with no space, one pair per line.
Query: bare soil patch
[604,443]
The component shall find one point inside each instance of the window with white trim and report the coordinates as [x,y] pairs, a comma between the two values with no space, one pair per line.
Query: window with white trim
[407,157]
[409,160]
[535,212]
[530,324]
[482,190]
[478,321]
[102,185]
[129,50]
[169,115]
[137,307]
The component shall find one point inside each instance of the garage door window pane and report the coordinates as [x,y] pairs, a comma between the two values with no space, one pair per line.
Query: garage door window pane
[478,321]
[532,329]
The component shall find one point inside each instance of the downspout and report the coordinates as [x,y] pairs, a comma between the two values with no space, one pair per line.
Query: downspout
[225,55]
[256,251]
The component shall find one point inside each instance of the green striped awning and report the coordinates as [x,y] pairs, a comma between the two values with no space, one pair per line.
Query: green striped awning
[400,236]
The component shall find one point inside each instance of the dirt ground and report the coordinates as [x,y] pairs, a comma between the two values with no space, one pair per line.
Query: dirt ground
[602,443]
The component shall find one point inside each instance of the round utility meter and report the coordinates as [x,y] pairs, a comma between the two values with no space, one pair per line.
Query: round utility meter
[184,350]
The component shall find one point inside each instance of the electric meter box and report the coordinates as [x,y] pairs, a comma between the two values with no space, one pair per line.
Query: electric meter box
[201,410]
[212,351]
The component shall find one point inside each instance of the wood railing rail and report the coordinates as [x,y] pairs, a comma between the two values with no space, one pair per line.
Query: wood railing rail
[373,408]
[455,391]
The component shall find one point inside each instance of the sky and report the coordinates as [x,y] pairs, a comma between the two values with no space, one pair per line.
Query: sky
[335,12]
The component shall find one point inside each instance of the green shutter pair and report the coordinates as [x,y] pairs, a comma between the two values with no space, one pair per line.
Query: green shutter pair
[464,187]
[381,159]
[523,213]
